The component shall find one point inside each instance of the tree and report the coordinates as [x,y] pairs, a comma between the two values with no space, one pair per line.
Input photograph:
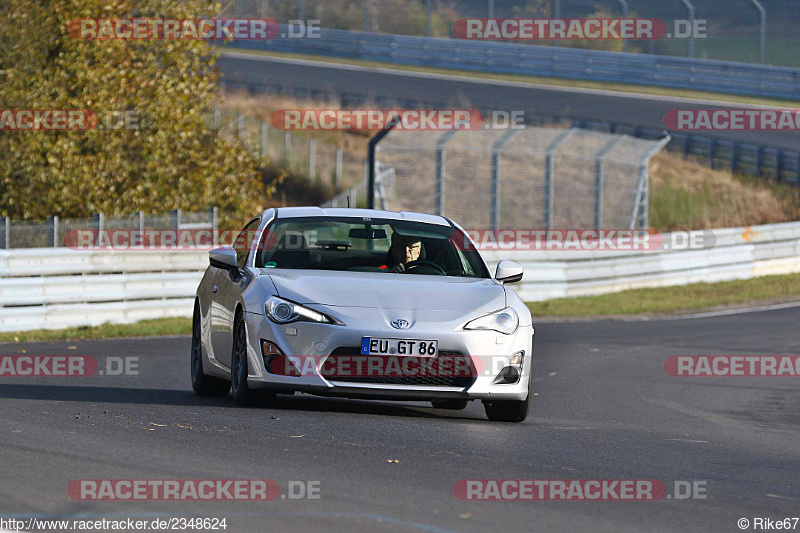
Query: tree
[173,159]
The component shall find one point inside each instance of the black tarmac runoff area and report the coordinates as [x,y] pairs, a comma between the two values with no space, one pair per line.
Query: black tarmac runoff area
[604,409]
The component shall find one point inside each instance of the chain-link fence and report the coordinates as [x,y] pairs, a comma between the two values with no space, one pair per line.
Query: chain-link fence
[303,155]
[532,177]
[54,232]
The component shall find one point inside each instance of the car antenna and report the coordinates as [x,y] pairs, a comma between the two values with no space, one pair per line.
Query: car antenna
[348,201]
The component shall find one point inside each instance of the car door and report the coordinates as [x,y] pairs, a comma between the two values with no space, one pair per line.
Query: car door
[226,291]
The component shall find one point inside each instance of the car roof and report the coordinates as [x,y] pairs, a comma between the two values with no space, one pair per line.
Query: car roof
[292,212]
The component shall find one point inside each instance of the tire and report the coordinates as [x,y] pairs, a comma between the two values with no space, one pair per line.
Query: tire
[509,410]
[455,405]
[203,384]
[242,393]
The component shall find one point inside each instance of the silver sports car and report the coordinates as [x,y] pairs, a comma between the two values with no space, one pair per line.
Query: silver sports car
[362,304]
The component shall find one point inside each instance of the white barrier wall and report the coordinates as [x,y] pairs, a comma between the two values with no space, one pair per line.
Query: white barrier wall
[55,288]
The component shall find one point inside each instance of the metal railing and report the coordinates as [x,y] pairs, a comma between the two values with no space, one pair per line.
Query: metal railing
[546,61]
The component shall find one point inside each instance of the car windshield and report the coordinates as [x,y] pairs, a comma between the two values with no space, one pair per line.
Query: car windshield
[374,245]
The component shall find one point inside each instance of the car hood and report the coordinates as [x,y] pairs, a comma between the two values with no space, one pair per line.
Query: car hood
[389,291]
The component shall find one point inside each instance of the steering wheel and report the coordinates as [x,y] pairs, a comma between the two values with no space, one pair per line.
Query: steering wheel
[423,262]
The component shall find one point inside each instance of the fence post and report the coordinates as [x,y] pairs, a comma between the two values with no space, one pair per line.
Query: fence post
[312,160]
[264,127]
[98,222]
[598,179]
[496,177]
[55,231]
[549,172]
[7,232]
[759,160]
[212,216]
[176,218]
[779,166]
[440,164]
[337,177]
[712,153]
[141,222]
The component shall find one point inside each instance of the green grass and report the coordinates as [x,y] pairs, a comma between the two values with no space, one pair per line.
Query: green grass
[780,51]
[693,297]
[143,328]
[608,86]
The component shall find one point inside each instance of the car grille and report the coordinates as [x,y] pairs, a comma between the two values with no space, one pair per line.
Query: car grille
[436,381]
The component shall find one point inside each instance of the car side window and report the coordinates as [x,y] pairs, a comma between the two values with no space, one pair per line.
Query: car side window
[243,242]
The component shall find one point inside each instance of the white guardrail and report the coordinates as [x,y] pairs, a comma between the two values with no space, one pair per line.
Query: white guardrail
[56,288]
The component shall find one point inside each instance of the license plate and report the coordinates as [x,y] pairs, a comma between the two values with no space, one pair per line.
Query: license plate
[415,347]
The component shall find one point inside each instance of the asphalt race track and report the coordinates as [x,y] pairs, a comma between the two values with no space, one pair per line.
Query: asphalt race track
[605,409]
[635,109]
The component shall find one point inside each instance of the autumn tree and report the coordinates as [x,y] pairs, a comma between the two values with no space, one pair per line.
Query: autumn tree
[167,157]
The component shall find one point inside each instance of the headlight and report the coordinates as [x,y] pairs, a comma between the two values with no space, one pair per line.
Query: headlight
[505,321]
[283,311]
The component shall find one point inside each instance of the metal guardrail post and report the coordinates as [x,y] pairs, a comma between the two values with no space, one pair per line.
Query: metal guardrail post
[641,201]
[598,179]
[624,5]
[176,218]
[549,174]
[690,8]
[440,168]
[496,176]
[762,14]
[371,148]
[240,126]
[312,159]
[55,231]
[7,233]
[98,222]
[212,213]
[427,18]
[337,176]
[141,222]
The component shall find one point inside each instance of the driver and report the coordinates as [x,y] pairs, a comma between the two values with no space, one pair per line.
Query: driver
[404,249]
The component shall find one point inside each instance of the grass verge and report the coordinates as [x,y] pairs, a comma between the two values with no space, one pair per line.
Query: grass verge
[143,328]
[676,300]
[605,86]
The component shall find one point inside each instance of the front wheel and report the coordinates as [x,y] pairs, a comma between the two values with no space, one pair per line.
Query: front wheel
[242,393]
[509,410]
[202,383]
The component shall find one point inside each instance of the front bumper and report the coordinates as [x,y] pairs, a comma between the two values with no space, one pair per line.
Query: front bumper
[488,351]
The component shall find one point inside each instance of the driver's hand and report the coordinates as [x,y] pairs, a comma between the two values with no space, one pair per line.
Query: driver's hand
[398,269]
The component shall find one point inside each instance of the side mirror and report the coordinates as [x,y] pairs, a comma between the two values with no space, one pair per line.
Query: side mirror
[223,257]
[508,272]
